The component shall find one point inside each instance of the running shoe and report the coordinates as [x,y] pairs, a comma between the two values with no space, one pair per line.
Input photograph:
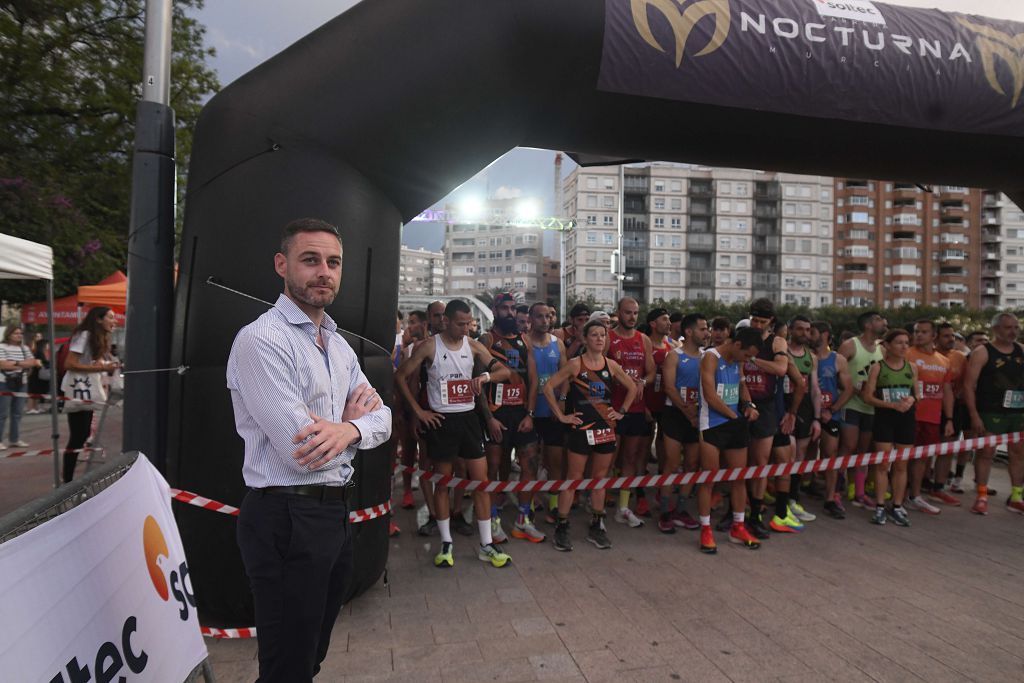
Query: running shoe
[444,559]
[429,528]
[899,516]
[642,508]
[562,541]
[462,527]
[739,534]
[919,503]
[665,524]
[18,444]
[757,528]
[798,511]
[497,533]
[598,536]
[769,499]
[527,532]
[956,485]
[785,525]
[407,501]
[1015,506]
[684,520]
[626,516]
[851,491]
[707,540]
[864,501]
[878,517]
[834,510]
[940,496]
[493,554]
[393,529]
[980,506]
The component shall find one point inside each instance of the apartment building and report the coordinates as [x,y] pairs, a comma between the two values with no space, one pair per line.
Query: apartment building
[421,272]
[700,233]
[551,281]
[1002,252]
[898,244]
[492,251]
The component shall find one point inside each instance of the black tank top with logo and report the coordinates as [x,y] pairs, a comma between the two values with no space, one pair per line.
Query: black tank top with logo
[1001,381]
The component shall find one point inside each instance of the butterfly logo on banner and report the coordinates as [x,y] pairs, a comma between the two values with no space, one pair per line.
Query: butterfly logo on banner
[993,44]
[683,20]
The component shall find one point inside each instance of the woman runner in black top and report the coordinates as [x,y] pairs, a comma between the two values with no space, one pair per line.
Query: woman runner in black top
[591,425]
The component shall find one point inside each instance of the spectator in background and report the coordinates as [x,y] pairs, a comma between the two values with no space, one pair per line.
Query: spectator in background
[16,360]
[523,319]
[39,376]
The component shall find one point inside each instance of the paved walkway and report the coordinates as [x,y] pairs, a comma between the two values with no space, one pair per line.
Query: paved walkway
[845,601]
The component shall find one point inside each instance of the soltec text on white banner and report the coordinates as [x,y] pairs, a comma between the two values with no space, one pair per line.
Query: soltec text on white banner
[102,587]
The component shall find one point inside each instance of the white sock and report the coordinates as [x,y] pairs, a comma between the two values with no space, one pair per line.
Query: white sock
[484,525]
[444,527]
[737,518]
[705,520]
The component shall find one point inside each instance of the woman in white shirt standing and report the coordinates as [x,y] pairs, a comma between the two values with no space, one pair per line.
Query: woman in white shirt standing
[88,352]
[16,360]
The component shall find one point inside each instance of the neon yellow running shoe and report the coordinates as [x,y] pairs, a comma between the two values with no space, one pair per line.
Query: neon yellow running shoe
[785,525]
[493,554]
[851,491]
[444,559]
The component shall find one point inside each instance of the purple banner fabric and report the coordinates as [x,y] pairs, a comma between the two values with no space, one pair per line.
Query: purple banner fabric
[853,60]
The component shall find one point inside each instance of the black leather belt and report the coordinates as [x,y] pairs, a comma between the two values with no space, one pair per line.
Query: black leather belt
[311,491]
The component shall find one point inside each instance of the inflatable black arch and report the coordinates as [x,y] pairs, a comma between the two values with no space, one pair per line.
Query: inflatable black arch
[387,108]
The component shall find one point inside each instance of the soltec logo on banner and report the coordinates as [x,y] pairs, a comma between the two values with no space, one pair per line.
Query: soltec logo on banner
[859,10]
[155,547]
[682,18]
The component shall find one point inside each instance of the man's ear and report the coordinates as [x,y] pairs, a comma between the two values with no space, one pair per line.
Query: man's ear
[281,264]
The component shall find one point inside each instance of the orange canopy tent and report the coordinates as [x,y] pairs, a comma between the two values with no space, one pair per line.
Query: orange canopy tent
[67,310]
[111,292]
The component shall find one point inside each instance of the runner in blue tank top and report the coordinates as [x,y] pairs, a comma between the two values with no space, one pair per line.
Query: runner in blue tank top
[547,358]
[725,411]
[678,426]
[836,389]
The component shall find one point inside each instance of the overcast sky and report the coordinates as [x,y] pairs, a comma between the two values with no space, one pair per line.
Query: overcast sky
[248,32]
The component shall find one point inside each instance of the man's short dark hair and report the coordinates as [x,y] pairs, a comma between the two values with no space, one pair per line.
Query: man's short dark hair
[762,308]
[455,306]
[822,327]
[690,320]
[946,325]
[748,337]
[975,333]
[721,323]
[656,313]
[864,318]
[419,315]
[535,305]
[676,317]
[926,321]
[305,225]
[578,310]
[522,308]
[799,319]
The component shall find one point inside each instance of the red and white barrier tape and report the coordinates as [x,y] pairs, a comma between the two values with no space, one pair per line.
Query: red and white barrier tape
[48,397]
[354,516]
[45,451]
[211,632]
[706,476]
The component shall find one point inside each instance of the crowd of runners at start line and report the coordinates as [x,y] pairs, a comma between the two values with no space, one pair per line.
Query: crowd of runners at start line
[591,398]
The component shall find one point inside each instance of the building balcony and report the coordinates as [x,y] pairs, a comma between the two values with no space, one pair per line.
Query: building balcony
[991,272]
[766,212]
[767,192]
[905,192]
[700,241]
[992,201]
[700,279]
[991,256]
[990,219]
[698,189]
[952,255]
[991,236]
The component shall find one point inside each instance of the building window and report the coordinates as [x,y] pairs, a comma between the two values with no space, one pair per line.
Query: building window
[659,222]
[676,223]
[591,237]
[608,202]
[591,220]
[591,183]
[724,243]
[608,220]
[677,241]
[659,203]
[677,205]
[676,186]
[725,261]
[609,183]
[724,205]
[659,185]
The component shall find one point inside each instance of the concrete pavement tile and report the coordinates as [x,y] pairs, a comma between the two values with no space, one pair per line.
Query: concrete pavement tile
[423,675]
[494,649]
[356,663]
[829,665]
[505,671]
[554,666]
[514,595]
[532,626]
[444,657]
[466,631]
[407,604]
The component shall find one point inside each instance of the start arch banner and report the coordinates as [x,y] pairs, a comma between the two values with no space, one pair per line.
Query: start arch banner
[102,592]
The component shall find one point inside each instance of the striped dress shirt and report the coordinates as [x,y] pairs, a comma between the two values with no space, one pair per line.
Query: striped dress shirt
[278,375]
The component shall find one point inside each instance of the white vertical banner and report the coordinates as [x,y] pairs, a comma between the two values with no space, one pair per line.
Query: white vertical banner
[101,593]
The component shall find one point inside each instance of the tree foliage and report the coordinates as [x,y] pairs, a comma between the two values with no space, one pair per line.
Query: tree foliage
[70,81]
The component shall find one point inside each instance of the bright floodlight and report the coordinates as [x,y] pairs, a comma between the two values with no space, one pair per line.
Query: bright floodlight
[528,209]
[471,208]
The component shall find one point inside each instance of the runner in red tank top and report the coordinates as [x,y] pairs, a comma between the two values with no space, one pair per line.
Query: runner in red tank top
[633,351]
[661,343]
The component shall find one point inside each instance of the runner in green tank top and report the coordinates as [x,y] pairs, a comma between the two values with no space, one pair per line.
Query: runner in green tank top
[857,417]
[891,388]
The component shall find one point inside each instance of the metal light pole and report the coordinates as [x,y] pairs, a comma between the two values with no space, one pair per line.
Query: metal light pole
[620,266]
[151,246]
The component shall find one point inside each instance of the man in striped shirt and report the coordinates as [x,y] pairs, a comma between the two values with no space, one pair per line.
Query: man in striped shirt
[303,407]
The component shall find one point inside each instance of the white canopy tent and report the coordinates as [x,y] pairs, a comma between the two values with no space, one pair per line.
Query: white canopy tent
[24,260]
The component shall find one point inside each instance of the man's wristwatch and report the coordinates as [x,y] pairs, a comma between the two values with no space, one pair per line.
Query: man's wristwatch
[529,413]
[747,404]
